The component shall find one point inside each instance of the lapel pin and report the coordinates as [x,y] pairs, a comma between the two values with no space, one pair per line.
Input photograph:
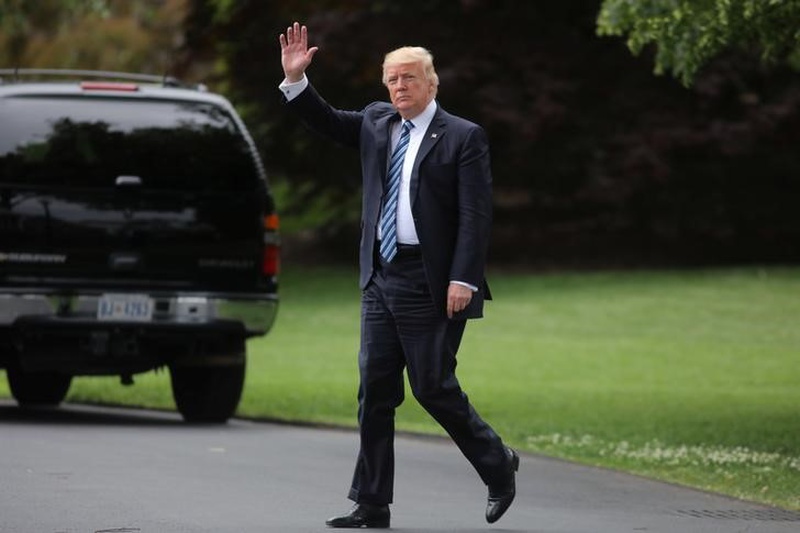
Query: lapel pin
[433,135]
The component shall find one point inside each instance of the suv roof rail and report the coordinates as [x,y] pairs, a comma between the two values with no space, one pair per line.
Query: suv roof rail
[166,81]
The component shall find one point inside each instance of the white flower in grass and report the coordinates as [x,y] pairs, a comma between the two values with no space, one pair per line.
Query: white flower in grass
[657,452]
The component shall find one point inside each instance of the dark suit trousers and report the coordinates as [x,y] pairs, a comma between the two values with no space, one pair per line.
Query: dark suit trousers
[401,328]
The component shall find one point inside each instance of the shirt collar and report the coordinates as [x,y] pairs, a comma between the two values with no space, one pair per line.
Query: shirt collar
[424,119]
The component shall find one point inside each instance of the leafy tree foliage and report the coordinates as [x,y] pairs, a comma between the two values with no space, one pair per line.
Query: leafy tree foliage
[595,160]
[689,33]
[135,35]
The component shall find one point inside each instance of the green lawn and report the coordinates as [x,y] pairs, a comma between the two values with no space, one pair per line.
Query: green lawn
[687,376]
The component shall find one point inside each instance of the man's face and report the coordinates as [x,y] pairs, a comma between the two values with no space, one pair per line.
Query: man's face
[409,91]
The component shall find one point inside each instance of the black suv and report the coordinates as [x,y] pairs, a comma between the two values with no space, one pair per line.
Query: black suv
[137,231]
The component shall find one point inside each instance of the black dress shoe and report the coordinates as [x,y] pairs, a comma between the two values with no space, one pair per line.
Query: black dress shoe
[362,515]
[501,496]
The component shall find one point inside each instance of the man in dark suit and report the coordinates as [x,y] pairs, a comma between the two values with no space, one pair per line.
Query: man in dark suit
[426,216]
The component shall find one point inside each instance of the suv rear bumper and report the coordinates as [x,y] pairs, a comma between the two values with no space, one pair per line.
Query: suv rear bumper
[255,313]
[85,347]
[63,333]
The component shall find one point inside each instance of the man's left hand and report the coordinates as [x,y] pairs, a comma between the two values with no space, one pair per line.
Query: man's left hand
[458,298]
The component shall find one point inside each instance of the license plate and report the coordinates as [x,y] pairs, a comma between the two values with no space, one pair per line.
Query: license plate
[128,307]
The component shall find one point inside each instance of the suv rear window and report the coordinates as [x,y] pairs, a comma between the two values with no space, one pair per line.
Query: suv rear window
[90,142]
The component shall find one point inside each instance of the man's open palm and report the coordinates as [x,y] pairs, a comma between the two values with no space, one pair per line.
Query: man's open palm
[296,56]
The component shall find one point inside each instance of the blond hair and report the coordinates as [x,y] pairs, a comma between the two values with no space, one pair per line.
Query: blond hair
[412,54]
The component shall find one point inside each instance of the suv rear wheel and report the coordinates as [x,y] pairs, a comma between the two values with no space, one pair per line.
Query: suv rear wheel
[207,394]
[37,388]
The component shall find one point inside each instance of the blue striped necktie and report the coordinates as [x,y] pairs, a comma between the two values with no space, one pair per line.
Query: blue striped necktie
[389,217]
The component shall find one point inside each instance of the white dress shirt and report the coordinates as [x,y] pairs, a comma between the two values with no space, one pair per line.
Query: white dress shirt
[291,90]
[406,231]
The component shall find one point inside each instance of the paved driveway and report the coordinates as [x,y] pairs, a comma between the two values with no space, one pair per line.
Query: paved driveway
[88,470]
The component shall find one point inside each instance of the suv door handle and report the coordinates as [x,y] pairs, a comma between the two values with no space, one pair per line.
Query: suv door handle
[125,181]
[124,261]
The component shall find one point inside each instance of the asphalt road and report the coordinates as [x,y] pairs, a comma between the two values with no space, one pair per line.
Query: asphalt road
[93,470]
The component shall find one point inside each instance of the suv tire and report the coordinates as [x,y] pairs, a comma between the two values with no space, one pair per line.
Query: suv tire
[207,394]
[37,388]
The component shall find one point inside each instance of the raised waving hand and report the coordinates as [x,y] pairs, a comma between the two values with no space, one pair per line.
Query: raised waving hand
[296,56]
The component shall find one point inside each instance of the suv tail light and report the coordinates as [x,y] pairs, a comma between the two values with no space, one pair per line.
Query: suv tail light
[108,86]
[271,260]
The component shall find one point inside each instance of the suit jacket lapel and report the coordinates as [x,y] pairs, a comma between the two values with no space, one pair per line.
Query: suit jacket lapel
[383,130]
[432,136]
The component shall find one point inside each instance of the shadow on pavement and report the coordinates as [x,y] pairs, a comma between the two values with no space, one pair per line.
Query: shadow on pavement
[84,415]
